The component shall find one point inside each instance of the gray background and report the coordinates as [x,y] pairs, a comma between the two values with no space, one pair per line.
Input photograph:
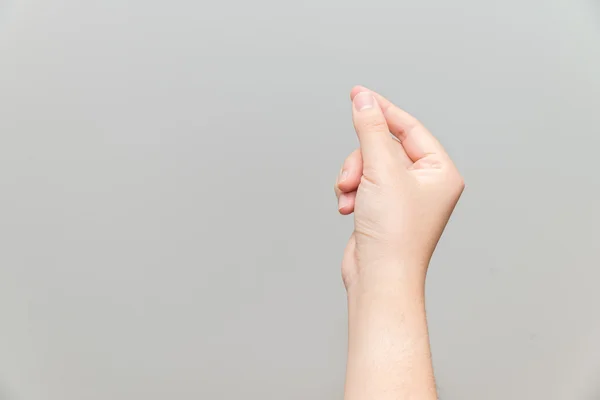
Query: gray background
[167,220]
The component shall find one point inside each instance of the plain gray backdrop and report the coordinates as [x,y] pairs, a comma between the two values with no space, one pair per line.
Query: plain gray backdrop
[168,227]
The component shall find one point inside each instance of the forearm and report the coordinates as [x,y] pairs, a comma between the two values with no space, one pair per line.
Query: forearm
[388,348]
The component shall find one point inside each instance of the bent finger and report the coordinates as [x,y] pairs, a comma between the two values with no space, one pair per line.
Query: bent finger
[351,172]
[417,141]
[346,203]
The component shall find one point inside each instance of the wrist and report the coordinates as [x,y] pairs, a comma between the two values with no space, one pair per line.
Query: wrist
[377,279]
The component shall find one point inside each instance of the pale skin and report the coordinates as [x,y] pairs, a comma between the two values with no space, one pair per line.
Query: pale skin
[402,187]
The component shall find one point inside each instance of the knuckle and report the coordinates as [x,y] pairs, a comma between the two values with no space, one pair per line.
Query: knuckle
[457,183]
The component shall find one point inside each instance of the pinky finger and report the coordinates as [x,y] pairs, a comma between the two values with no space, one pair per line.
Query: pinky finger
[346,203]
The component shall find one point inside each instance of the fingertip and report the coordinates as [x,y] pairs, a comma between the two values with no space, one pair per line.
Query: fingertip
[351,181]
[347,186]
[346,203]
[346,211]
[365,101]
[356,90]
[349,177]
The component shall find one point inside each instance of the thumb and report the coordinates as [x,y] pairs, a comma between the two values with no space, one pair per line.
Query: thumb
[372,129]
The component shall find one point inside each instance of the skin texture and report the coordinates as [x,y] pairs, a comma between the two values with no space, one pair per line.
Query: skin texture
[402,187]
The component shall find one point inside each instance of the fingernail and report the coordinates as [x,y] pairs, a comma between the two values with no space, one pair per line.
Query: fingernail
[363,101]
[343,176]
[343,201]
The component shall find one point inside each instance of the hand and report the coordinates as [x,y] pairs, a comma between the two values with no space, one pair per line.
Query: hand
[402,187]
